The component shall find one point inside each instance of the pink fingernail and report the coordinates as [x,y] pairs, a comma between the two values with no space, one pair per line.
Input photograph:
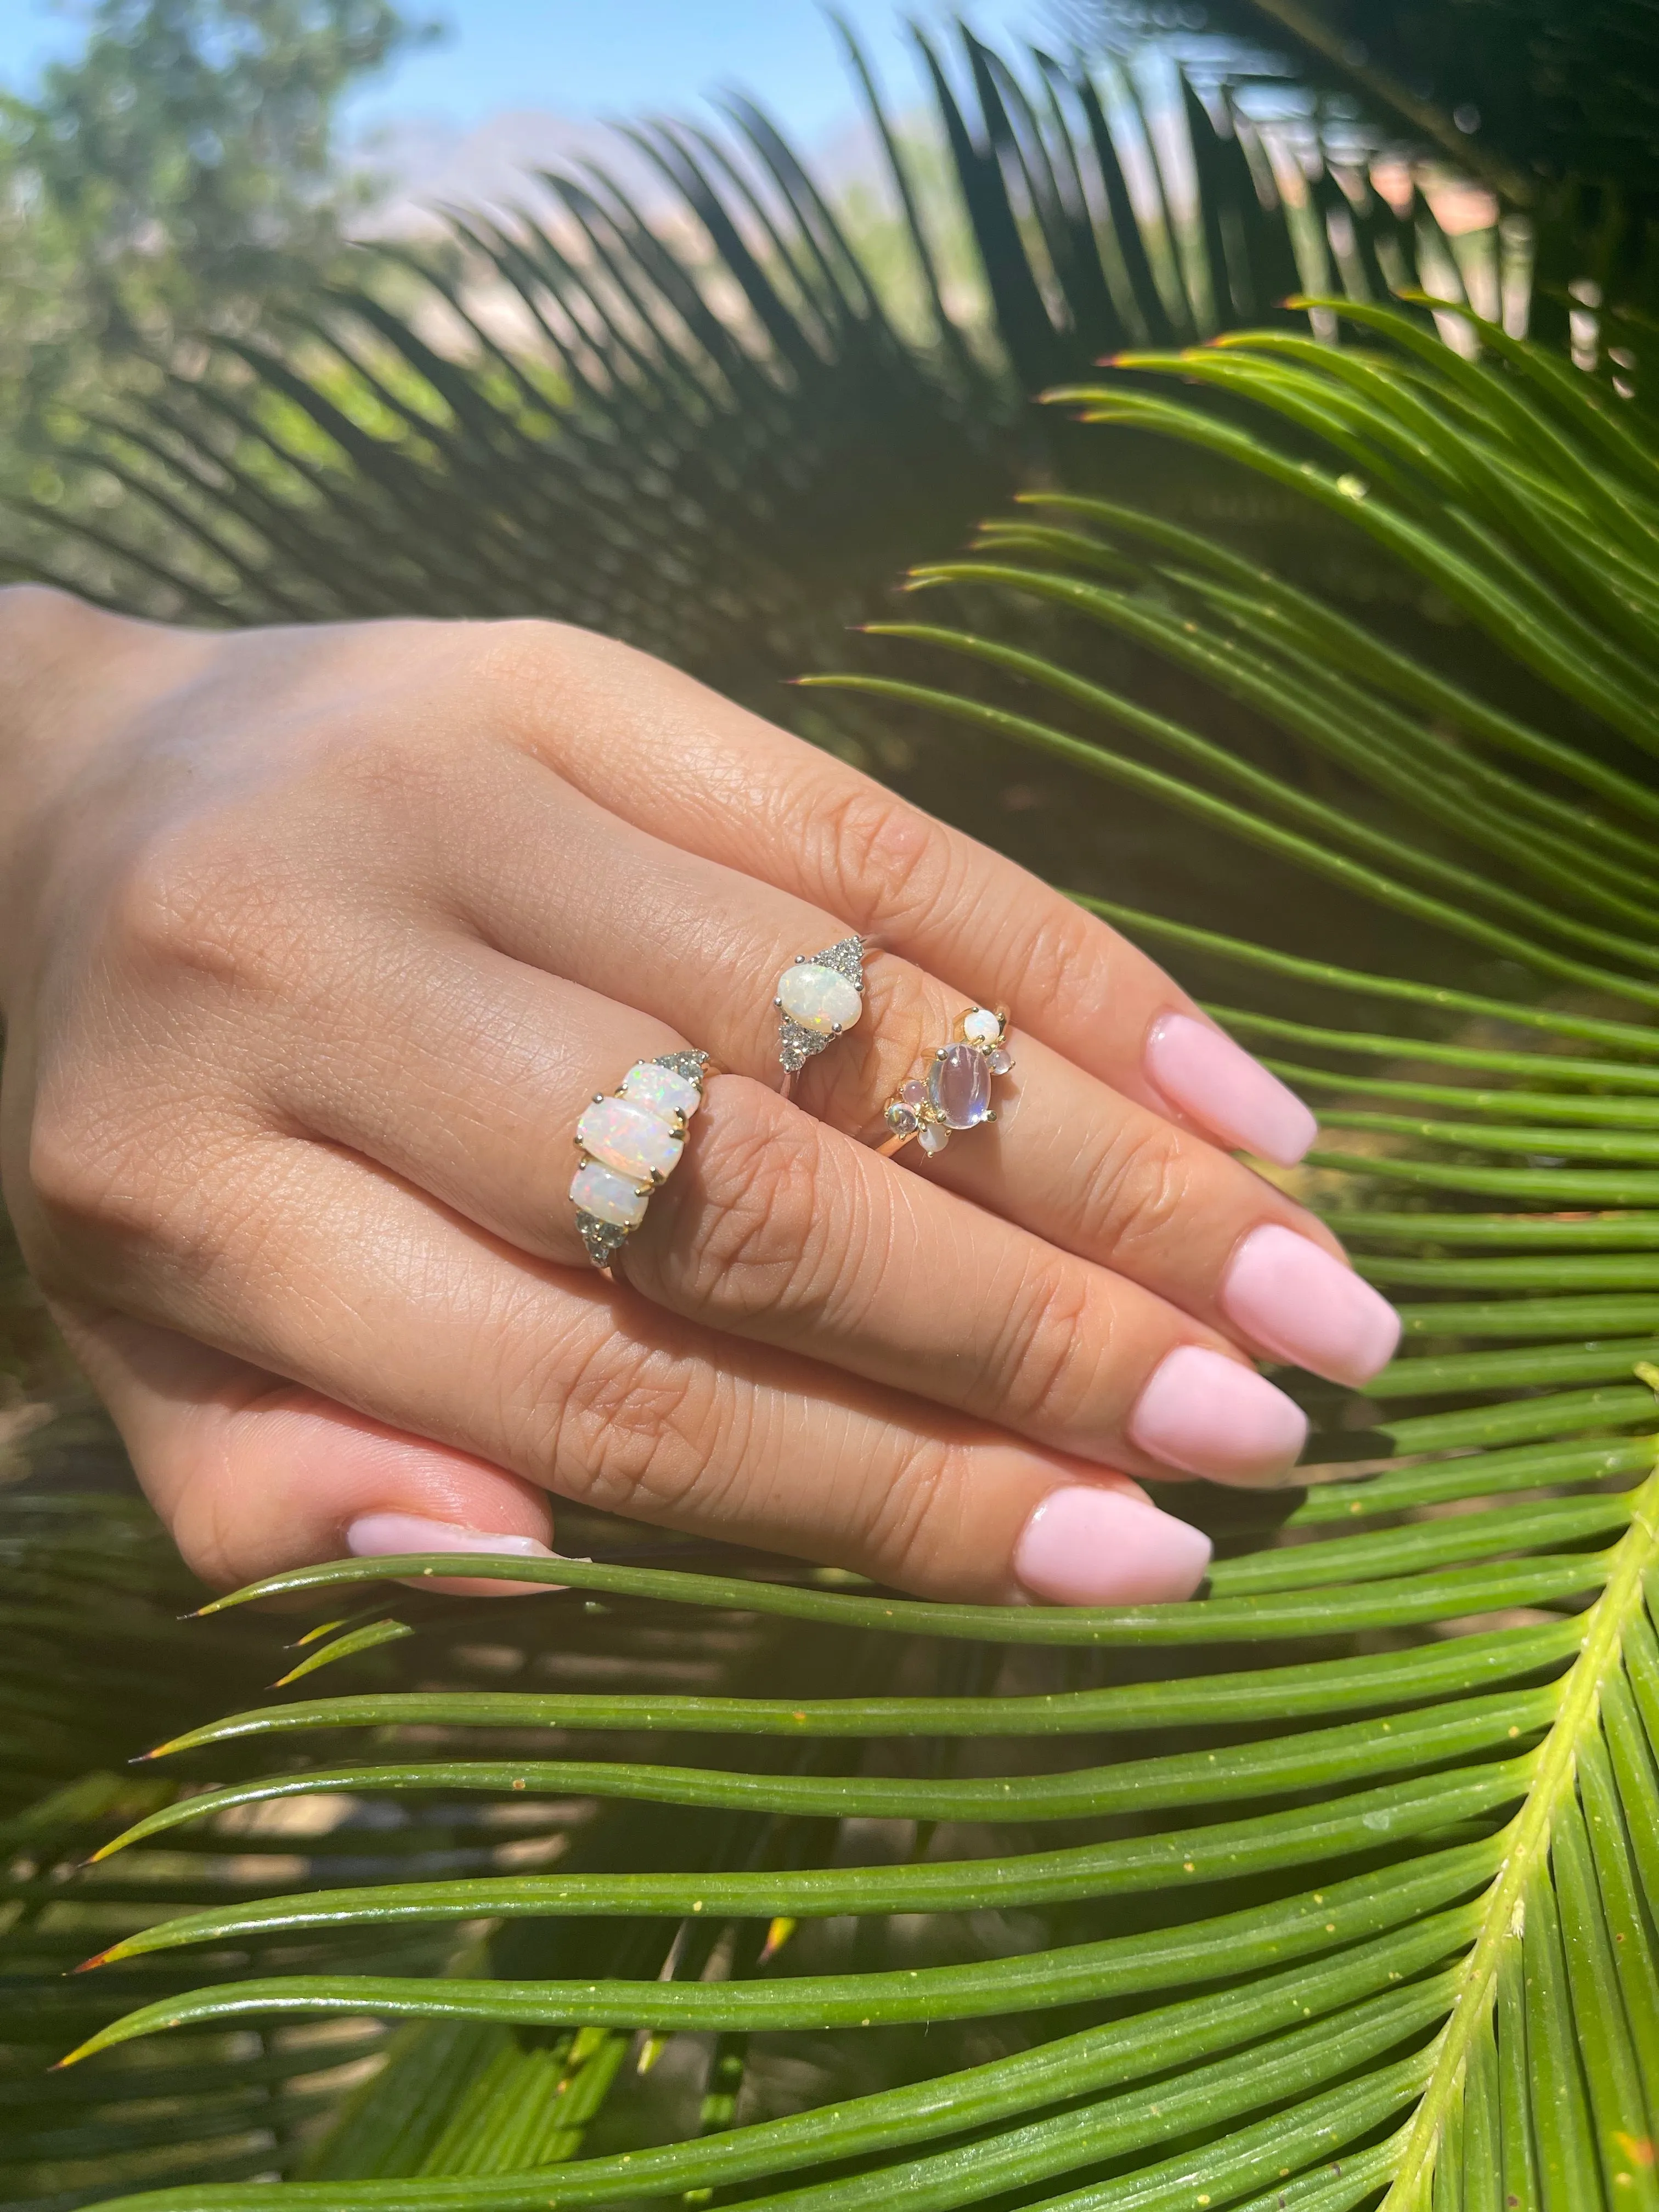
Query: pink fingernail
[384,1536]
[1097,1546]
[1206,1075]
[1291,1297]
[1208,1414]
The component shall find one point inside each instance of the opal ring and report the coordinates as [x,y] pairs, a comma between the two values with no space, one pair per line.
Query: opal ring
[956,1094]
[819,998]
[631,1142]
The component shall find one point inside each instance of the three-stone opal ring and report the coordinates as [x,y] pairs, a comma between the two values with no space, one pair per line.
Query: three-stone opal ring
[630,1142]
[819,997]
[956,1093]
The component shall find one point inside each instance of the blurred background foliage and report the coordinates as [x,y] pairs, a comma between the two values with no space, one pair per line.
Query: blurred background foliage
[699,400]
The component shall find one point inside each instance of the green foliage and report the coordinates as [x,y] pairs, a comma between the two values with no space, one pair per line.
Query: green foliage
[168,180]
[713,1875]
[1333,1887]
[1555,104]
[724,429]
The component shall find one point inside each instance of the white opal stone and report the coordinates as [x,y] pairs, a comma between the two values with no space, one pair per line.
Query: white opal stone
[608,1196]
[631,1139]
[820,1000]
[933,1137]
[662,1090]
[981,1026]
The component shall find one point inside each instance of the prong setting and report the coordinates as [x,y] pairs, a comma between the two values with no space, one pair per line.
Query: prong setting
[955,1095]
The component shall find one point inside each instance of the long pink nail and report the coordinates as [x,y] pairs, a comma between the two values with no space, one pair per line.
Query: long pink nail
[1291,1297]
[1216,1081]
[1208,1414]
[384,1536]
[1098,1547]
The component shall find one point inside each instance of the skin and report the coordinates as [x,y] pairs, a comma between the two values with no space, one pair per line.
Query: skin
[313,943]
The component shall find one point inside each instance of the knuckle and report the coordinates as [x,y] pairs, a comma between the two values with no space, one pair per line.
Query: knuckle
[907,1526]
[1052,1342]
[881,854]
[629,1423]
[1136,1194]
[516,658]
[749,1231]
[192,897]
[1064,958]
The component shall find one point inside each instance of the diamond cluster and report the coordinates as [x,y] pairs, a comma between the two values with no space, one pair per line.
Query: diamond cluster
[630,1142]
[818,998]
[956,1094]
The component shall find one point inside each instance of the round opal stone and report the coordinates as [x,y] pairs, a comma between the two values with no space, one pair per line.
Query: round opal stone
[631,1139]
[932,1137]
[820,1000]
[662,1090]
[959,1086]
[608,1196]
[981,1026]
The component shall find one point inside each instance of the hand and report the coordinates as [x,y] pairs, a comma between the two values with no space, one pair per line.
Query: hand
[316,944]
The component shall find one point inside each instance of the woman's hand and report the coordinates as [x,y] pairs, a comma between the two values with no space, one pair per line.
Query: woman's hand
[316,944]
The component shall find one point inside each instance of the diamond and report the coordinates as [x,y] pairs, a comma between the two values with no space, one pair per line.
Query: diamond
[630,1138]
[661,1089]
[959,1086]
[609,1197]
[602,1239]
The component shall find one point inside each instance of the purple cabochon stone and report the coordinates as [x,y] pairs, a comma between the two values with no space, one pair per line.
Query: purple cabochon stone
[960,1086]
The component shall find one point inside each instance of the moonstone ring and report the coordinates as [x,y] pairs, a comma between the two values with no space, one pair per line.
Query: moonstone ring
[956,1094]
[818,998]
[629,1143]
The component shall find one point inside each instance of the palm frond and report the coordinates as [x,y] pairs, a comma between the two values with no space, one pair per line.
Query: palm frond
[1332,1888]
[719,428]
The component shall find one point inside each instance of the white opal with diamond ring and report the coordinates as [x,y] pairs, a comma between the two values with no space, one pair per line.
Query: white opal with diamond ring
[630,1142]
[956,1093]
[819,998]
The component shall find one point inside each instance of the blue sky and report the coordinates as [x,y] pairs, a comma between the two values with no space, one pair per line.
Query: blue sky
[594,56]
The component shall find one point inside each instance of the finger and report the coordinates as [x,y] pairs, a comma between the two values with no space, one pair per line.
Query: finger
[773,1226]
[345,1281]
[692,943]
[721,782]
[245,1466]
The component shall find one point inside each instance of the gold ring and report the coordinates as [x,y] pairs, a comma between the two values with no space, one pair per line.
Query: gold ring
[956,1093]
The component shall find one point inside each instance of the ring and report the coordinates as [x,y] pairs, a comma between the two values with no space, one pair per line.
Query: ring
[630,1142]
[819,997]
[957,1093]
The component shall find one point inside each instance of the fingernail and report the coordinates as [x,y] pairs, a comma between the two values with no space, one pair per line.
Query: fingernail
[1208,1414]
[1205,1074]
[382,1535]
[1291,1297]
[1096,1546]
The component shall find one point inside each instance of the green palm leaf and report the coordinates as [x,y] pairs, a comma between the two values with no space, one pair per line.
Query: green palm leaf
[1332,1888]
[727,429]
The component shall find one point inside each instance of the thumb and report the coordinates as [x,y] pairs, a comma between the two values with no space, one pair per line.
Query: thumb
[254,1474]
